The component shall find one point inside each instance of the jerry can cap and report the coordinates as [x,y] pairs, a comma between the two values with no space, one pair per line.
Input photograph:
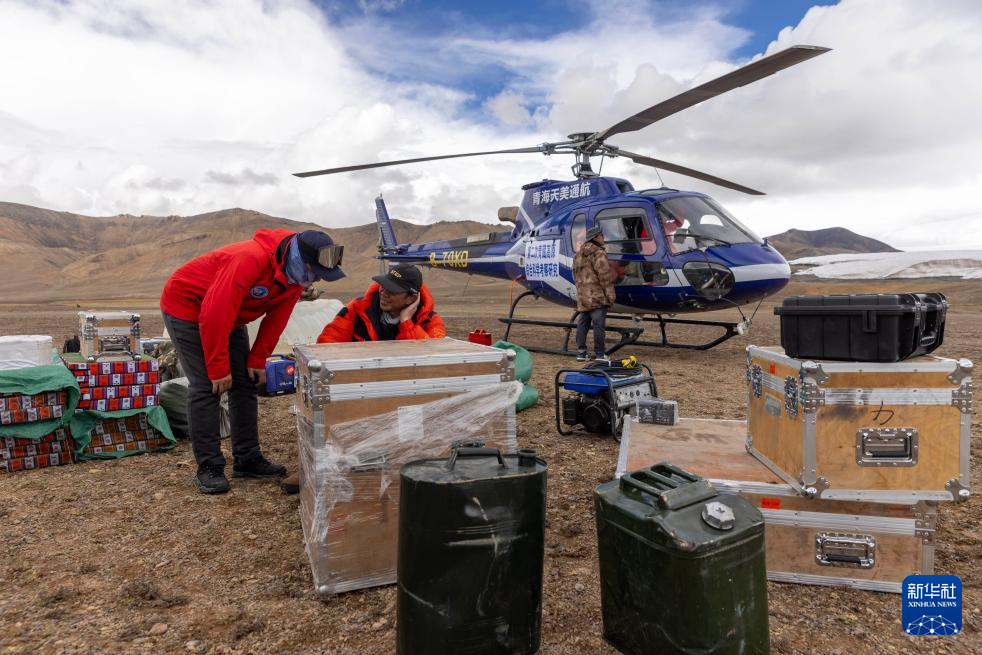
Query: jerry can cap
[717,515]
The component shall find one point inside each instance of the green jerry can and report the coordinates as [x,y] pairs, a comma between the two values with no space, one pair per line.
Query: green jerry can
[471,548]
[681,566]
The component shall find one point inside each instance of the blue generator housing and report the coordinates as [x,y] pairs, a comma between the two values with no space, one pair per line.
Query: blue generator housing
[281,374]
[599,395]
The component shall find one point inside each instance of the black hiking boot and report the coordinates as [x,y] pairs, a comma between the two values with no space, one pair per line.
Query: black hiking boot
[211,479]
[257,467]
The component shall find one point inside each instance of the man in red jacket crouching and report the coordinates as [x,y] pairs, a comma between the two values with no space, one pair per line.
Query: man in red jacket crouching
[396,306]
[206,305]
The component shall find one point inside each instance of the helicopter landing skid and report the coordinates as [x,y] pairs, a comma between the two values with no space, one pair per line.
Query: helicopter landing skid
[628,336]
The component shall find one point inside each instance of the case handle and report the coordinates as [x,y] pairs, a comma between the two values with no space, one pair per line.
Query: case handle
[474,452]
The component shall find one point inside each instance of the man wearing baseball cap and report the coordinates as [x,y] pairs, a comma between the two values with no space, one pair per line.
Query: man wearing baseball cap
[396,306]
[206,304]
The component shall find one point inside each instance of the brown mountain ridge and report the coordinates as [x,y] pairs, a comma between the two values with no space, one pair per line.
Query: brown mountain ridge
[829,241]
[50,255]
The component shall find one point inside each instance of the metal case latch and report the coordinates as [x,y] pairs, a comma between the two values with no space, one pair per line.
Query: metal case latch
[886,446]
[791,396]
[857,551]
[755,376]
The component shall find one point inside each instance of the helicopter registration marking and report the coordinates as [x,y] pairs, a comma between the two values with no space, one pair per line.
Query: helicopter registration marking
[449,259]
[542,261]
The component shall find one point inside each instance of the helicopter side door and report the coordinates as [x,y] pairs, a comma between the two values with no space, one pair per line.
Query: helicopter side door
[635,249]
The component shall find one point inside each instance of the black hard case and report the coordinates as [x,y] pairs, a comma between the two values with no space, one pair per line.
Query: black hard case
[862,327]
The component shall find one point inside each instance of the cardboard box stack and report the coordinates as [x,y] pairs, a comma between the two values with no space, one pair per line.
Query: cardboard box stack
[121,435]
[22,454]
[37,398]
[18,408]
[110,386]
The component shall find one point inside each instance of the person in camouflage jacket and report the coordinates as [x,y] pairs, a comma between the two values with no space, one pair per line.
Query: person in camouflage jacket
[594,292]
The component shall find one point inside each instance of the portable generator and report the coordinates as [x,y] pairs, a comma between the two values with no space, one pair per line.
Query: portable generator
[280,376]
[599,395]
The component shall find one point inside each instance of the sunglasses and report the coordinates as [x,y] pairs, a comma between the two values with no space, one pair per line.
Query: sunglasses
[330,256]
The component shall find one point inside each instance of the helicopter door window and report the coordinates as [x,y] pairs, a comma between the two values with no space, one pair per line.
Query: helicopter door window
[626,231]
[577,232]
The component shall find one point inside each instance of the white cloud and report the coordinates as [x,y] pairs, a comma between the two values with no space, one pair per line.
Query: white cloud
[186,107]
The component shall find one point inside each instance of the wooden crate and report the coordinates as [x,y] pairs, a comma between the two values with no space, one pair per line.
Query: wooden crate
[363,410]
[862,431]
[861,544]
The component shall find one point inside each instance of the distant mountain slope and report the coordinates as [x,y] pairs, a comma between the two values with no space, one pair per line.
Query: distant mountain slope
[794,244]
[47,255]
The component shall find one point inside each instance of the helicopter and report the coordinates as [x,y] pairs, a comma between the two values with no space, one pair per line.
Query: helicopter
[671,251]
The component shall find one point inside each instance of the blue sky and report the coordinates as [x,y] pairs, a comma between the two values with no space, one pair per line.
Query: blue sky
[428,23]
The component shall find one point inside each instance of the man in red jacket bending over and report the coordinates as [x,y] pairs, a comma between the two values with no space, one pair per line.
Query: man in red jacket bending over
[396,306]
[206,305]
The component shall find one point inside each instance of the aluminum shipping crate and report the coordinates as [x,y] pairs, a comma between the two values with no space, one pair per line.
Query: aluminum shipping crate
[109,333]
[363,410]
[862,431]
[865,545]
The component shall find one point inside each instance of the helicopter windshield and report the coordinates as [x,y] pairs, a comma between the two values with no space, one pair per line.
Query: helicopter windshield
[692,222]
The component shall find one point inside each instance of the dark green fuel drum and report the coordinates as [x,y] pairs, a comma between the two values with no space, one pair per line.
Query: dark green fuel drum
[471,533]
[681,566]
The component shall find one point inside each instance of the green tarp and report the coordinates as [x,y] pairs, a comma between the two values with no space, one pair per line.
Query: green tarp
[523,373]
[83,423]
[39,379]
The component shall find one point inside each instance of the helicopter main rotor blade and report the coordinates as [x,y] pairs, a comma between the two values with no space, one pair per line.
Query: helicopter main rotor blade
[732,80]
[360,167]
[690,172]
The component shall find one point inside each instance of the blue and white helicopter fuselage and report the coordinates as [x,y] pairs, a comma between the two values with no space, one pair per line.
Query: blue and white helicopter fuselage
[671,251]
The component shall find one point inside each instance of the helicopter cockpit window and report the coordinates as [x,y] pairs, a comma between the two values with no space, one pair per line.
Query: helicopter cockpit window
[692,222]
[577,232]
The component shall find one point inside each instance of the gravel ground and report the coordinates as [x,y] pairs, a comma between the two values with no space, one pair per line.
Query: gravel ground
[126,557]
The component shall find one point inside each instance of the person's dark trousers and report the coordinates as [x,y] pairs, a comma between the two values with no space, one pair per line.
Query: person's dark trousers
[203,405]
[598,317]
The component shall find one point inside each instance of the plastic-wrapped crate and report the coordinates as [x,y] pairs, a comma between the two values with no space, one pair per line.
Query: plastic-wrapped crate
[28,408]
[20,454]
[363,410]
